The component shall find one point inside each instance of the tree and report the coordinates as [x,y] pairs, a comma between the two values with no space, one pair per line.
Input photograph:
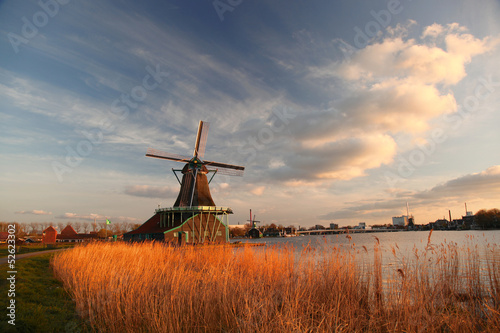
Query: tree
[78,227]
[487,219]
[103,233]
[60,227]
[238,232]
[86,227]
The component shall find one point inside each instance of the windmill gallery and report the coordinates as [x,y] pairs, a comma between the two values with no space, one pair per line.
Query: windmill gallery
[194,217]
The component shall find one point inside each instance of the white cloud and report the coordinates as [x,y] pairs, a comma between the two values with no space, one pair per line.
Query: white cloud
[485,184]
[395,106]
[339,159]
[433,31]
[422,61]
[395,86]
[34,212]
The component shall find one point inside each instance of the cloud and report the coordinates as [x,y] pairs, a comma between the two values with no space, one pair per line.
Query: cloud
[438,59]
[34,212]
[394,87]
[74,216]
[259,190]
[396,83]
[391,106]
[335,160]
[151,191]
[484,184]
[483,187]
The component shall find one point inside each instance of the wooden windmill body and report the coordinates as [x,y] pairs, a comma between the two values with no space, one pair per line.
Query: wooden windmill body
[194,217]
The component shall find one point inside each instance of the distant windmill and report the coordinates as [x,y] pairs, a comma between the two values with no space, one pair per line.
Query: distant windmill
[194,218]
[253,232]
[194,185]
[252,221]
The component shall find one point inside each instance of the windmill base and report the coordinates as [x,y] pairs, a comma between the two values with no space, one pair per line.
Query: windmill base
[184,225]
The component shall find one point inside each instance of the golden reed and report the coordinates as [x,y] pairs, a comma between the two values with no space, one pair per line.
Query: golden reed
[151,287]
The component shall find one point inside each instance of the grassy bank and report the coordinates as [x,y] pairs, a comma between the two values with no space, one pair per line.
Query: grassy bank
[29,248]
[150,287]
[42,304]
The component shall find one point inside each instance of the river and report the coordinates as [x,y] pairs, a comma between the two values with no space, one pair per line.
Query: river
[396,249]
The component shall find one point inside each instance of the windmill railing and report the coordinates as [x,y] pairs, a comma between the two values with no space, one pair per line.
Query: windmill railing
[211,209]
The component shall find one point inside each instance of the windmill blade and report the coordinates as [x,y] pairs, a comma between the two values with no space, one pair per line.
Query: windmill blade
[225,169]
[227,172]
[166,156]
[201,139]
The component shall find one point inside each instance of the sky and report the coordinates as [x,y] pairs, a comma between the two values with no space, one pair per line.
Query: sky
[340,111]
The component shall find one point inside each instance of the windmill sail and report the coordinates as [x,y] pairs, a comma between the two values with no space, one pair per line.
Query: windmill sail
[194,185]
[201,139]
[167,156]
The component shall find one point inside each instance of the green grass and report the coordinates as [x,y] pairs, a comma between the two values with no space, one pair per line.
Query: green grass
[42,305]
[36,247]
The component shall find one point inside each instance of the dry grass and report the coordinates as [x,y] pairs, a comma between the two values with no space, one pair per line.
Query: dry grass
[154,288]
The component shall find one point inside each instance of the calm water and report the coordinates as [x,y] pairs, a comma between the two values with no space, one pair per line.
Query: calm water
[400,247]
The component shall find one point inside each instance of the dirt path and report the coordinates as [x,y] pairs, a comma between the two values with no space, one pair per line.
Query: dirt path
[4,260]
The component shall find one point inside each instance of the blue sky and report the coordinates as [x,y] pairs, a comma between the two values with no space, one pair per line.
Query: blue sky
[341,111]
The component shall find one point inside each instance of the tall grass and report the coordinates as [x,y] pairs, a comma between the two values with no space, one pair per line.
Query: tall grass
[151,287]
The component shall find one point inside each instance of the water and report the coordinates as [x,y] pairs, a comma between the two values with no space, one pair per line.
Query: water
[400,248]
[405,240]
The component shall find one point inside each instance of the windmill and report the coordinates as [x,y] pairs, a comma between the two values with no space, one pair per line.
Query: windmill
[253,232]
[252,221]
[194,185]
[193,218]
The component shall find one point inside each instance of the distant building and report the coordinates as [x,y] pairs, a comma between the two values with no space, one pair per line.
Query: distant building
[334,226]
[439,224]
[468,221]
[319,227]
[49,235]
[271,232]
[69,235]
[254,233]
[400,221]
[362,225]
